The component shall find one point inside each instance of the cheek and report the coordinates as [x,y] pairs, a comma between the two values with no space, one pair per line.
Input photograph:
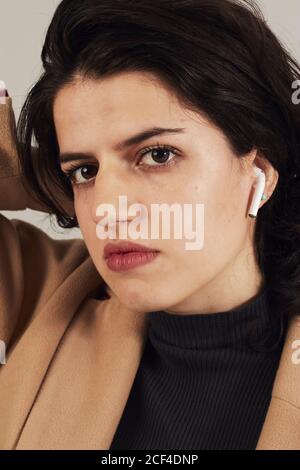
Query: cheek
[225,227]
[226,224]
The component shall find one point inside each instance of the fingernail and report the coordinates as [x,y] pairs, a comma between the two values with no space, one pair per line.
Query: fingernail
[3,90]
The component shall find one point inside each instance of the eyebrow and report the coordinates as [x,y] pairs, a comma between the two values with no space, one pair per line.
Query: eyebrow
[136,139]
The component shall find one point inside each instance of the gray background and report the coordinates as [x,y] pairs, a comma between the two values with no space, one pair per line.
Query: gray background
[23,25]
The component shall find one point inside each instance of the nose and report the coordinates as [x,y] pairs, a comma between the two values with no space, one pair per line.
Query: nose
[113,192]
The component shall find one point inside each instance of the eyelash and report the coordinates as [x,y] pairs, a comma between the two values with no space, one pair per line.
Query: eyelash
[73,168]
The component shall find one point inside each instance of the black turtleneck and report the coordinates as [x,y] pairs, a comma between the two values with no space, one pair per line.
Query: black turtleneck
[202,383]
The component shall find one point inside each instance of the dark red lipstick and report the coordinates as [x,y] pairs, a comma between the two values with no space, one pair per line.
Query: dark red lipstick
[123,256]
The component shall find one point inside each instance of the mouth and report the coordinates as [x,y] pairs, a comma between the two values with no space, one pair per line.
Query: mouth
[124,256]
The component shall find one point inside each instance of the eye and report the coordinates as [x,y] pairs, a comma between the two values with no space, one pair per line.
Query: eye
[157,156]
[152,157]
[79,175]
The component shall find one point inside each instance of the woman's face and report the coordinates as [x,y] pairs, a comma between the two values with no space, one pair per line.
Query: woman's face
[197,167]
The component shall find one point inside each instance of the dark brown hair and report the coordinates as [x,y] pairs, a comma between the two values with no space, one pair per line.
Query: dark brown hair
[220,58]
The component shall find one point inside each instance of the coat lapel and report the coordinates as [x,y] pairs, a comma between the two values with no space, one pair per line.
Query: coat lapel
[281,429]
[30,357]
[88,382]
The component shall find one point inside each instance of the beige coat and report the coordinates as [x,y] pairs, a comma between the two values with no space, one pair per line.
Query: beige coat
[71,358]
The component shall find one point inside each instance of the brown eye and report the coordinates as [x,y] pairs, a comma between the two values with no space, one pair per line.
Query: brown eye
[81,174]
[157,156]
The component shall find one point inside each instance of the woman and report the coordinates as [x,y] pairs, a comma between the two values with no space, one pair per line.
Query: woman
[162,103]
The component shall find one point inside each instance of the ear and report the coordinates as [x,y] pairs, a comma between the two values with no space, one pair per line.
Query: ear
[255,158]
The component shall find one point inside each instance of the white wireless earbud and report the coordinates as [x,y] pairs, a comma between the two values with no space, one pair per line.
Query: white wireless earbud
[258,192]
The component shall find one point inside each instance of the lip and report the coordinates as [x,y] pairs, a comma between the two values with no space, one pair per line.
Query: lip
[123,256]
[125,247]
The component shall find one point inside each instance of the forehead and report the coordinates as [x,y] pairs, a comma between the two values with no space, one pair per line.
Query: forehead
[128,94]
[97,113]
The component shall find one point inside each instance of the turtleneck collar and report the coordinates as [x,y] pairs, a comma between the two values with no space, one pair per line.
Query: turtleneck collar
[215,330]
